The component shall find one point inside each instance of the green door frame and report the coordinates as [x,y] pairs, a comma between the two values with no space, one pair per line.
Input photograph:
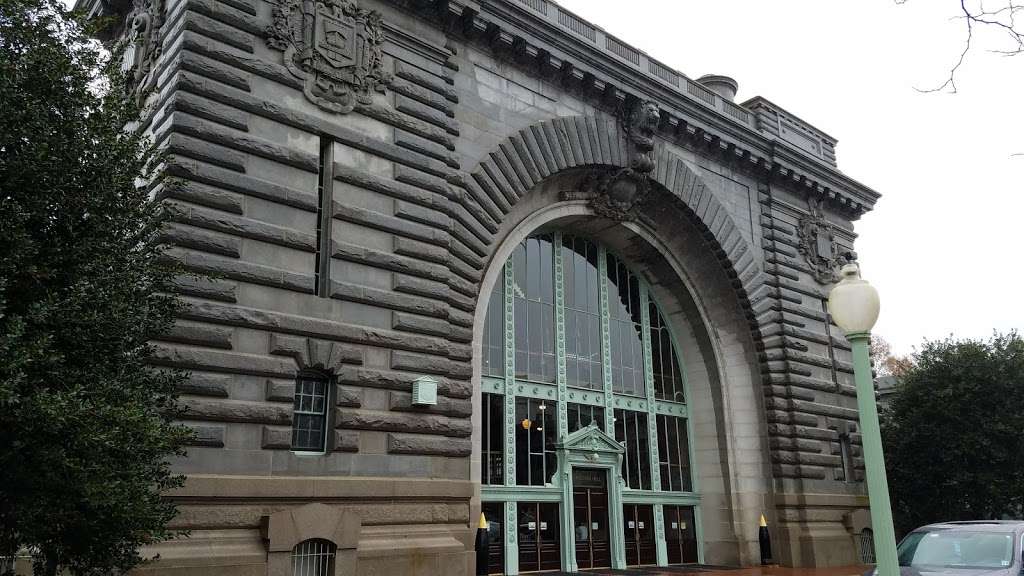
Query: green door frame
[591,447]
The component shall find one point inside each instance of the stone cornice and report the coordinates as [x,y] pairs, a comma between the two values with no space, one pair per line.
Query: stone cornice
[539,44]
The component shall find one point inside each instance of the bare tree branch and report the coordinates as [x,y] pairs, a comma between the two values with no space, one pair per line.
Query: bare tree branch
[1002,19]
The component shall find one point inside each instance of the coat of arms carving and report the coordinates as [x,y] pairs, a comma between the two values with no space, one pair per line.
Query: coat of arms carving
[144,45]
[818,243]
[334,47]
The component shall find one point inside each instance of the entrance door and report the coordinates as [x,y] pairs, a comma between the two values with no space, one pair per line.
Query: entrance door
[495,514]
[680,535]
[539,542]
[638,521]
[590,515]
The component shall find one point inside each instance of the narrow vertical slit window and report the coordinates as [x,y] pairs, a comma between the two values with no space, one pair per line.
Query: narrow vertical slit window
[324,218]
[846,452]
[309,413]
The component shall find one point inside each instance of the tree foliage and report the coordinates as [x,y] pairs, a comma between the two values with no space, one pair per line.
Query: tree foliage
[86,424]
[885,362]
[954,433]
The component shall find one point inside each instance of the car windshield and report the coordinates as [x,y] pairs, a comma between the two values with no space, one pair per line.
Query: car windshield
[957,549]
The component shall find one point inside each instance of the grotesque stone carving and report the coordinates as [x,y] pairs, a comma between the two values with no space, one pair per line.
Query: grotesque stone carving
[144,45]
[334,47]
[620,192]
[818,243]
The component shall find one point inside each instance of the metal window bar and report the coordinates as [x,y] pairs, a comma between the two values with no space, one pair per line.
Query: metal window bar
[313,558]
[309,414]
[867,547]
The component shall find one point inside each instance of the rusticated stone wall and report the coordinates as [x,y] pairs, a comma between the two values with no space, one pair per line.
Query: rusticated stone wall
[347,207]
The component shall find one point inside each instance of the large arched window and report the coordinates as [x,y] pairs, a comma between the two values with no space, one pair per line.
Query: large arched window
[581,321]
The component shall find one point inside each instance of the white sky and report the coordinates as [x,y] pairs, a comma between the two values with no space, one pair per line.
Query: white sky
[942,245]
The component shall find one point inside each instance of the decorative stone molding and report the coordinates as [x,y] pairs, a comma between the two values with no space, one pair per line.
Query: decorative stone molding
[334,47]
[622,192]
[592,74]
[313,353]
[287,528]
[144,45]
[818,243]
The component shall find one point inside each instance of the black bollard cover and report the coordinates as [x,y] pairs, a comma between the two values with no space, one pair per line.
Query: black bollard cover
[483,544]
[765,540]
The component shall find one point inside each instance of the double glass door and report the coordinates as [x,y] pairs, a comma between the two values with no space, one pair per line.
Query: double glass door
[590,518]
[539,541]
[638,524]
[680,534]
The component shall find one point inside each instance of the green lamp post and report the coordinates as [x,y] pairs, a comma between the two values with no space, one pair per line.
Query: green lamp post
[853,305]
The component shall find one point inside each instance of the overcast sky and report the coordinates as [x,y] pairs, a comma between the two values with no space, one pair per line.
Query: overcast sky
[943,244]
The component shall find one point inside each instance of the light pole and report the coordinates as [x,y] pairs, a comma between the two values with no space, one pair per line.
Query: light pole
[854,304]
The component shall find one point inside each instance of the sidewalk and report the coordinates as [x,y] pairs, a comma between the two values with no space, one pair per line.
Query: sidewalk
[720,571]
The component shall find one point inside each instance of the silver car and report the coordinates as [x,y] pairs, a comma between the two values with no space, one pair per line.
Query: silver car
[992,548]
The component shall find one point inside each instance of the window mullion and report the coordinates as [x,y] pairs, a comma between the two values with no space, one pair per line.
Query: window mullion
[652,417]
[606,346]
[560,375]
[508,320]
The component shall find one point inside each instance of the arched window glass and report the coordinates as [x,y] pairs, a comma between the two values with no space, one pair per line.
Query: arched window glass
[582,313]
[493,361]
[626,332]
[668,377]
[592,355]
[309,413]
[314,557]
[534,309]
[674,455]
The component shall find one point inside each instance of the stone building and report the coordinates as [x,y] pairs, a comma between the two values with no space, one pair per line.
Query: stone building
[482,255]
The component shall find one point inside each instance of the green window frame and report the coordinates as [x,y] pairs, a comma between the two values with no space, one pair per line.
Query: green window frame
[556,290]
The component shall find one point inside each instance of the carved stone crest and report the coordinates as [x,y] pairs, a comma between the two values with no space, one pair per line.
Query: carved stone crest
[334,47]
[616,195]
[142,34]
[818,243]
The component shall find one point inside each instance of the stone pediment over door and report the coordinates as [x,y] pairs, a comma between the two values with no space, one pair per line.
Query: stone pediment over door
[591,440]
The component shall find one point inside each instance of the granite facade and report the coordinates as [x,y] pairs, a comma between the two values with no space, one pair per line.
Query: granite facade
[352,193]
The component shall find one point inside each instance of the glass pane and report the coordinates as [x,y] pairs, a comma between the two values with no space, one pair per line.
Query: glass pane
[522,444]
[494,337]
[534,309]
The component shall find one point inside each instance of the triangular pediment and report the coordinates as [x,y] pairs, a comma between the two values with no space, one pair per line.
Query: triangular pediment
[591,439]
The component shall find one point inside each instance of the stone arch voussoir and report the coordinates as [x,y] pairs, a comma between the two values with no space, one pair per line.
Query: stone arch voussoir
[528,157]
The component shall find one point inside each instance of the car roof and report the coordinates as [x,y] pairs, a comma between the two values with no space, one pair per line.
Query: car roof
[976,525]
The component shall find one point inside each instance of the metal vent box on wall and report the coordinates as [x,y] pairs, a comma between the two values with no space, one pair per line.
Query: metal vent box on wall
[424,391]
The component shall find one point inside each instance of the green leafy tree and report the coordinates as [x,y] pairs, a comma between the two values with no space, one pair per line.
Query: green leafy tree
[954,433]
[86,424]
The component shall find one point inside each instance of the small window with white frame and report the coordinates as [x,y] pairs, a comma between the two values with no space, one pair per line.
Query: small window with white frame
[314,557]
[310,412]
